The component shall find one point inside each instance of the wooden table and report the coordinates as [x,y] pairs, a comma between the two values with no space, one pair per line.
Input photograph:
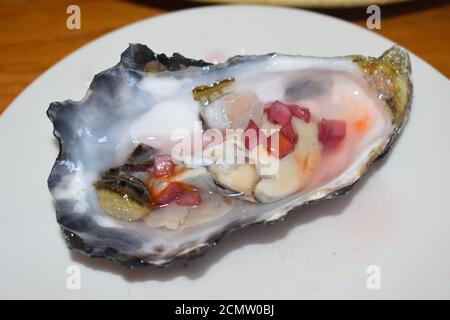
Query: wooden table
[33,34]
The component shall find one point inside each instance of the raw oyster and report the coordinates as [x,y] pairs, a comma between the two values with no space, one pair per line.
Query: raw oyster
[345,113]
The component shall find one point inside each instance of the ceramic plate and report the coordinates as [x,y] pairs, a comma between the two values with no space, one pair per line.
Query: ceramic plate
[395,223]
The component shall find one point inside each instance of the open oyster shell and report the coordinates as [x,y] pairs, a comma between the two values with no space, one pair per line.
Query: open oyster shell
[91,140]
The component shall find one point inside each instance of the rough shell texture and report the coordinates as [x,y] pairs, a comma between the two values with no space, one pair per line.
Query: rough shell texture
[392,66]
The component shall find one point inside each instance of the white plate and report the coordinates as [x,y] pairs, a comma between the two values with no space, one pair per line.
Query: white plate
[397,218]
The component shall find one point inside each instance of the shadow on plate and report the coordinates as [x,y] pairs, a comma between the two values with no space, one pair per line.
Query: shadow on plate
[253,235]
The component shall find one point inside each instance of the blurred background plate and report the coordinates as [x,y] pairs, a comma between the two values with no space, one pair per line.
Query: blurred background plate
[310,3]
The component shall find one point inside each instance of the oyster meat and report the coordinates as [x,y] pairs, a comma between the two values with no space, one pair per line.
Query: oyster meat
[166,155]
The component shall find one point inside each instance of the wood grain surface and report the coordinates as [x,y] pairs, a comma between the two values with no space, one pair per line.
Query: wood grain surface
[33,33]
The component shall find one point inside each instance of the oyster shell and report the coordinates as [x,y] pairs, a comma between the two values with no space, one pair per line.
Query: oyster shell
[137,100]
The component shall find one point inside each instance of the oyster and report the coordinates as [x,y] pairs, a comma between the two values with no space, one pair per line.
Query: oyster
[121,192]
